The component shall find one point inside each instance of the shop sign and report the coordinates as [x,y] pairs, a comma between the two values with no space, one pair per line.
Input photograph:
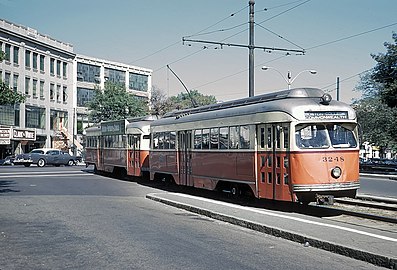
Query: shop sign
[23,134]
[5,133]
[5,141]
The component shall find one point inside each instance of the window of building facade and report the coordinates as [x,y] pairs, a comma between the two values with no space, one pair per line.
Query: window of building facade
[35,55]
[9,115]
[64,69]
[65,94]
[138,82]
[58,93]
[52,89]
[7,78]
[35,117]
[42,63]
[87,72]
[27,85]
[52,66]
[34,88]
[42,89]
[58,119]
[15,83]
[16,55]
[115,76]
[58,68]
[84,96]
[7,52]
[27,59]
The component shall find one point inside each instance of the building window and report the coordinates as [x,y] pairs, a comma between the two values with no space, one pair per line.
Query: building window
[58,68]
[16,55]
[15,84]
[58,119]
[27,85]
[84,96]
[9,115]
[52,89]
[7,52]
[64,69]
[64,94]
[88,73]
[52,66]
[138,82]
[7,78]
[42,89]
[42,64]
[35,61]
[34,88]
[27,59]
[35,117]
[115,76]
[58,93]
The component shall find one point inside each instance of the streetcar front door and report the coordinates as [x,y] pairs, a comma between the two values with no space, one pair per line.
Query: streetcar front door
[185,157]
[134,158]
[273,161]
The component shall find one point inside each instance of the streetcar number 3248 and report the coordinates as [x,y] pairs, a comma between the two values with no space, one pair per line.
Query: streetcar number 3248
[333,159]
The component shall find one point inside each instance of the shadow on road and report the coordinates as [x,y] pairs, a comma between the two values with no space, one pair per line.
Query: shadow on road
[6,187]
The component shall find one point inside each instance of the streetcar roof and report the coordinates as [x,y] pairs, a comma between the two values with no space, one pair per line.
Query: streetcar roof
[299,103]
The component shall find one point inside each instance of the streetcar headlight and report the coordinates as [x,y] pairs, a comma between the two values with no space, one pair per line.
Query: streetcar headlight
[336,172]
[326,99]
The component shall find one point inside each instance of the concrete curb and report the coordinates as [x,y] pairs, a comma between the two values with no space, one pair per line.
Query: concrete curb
[385,176]
[372,258]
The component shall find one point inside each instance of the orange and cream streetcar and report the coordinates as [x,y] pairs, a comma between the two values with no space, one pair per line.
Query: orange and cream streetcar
[292,145]
[119,147]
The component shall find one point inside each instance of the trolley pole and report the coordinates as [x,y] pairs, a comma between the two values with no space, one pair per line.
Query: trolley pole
[251,48]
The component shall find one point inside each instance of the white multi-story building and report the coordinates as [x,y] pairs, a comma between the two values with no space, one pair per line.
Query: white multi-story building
[58,84]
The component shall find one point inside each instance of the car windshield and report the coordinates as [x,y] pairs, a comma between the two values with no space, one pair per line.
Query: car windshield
[323,136]
[36,151]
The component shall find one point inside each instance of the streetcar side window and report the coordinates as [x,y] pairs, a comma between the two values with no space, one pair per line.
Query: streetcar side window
[197,139]
[214,138]
[223,137]
[172,139]
[245,137]
[234,137]
[155,141]
[206,139]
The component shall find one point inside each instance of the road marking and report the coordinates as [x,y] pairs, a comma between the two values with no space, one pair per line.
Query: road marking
[288,217]
[30,173]
[44,175]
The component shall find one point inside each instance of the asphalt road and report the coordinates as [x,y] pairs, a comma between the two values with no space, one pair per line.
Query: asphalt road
[64,218]
[378,186]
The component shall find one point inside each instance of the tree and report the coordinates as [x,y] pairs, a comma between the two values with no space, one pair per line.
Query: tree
[114,102]
[185,101]
[385,72]
[159,103]
[7,95]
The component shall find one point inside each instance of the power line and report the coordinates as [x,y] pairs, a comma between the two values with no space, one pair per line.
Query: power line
[352,36]
[274,33]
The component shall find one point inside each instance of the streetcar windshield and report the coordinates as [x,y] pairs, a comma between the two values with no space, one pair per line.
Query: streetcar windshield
[323,136]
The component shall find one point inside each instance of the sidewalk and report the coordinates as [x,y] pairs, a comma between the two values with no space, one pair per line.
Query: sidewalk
[375,246]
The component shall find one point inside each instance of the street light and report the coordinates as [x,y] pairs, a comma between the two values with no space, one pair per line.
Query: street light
[289,80]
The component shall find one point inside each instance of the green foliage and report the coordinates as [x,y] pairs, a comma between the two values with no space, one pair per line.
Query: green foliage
[377,122]
[185,101]
[159,103]
[7,95]
[385,73]
[114,102]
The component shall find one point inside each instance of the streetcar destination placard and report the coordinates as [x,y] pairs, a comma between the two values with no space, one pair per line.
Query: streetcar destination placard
[326,115]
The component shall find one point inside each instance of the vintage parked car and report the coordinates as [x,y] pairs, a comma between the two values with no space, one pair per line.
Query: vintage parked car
[45,156]
[9,160]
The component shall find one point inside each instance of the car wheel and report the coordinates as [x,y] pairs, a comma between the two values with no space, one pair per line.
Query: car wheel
[26,164]
[41,163]
[70,162]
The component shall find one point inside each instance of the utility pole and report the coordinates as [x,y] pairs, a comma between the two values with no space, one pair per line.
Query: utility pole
[250,46]
[251,80]
[337,88]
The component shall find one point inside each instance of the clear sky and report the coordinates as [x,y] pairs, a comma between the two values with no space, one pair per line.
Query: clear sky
[148,33]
